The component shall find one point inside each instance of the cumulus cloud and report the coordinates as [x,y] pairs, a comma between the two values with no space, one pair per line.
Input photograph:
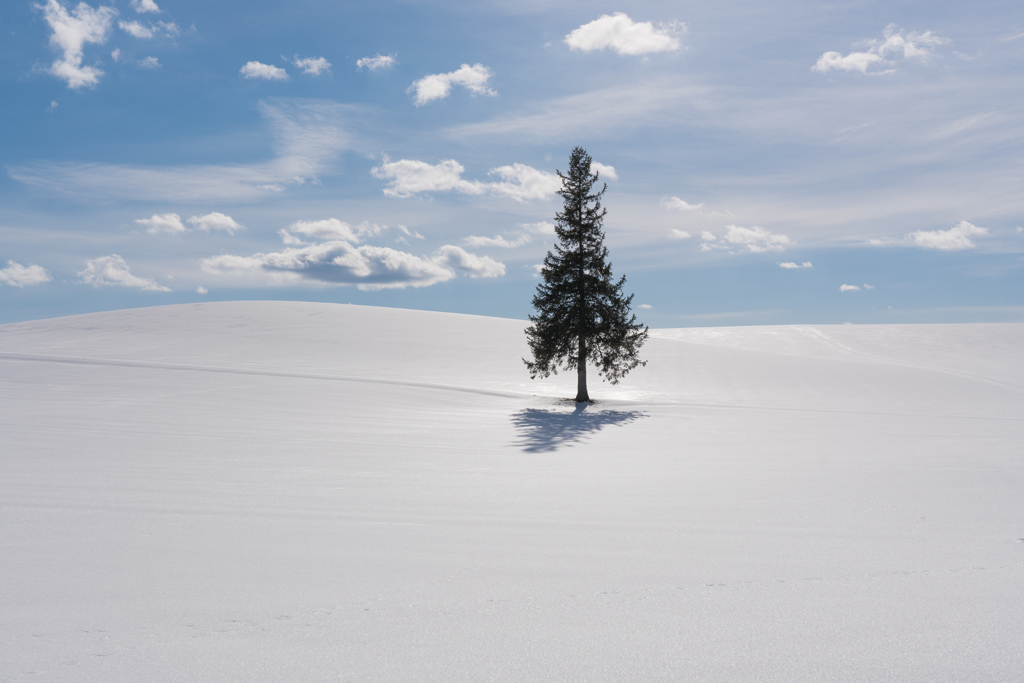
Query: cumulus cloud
[789,265]
[522,182]
[849,288]
[116,54]
[679,235]
[645,306]
[112,270]
[267,72]
[896,43]
[163,222]
[677,204]
[202,290]
[527,234]
[216,221]
[606,171]
[71,32]
[955,239]
[314,66]
[332,229]
[136,29]
[17,275]
[756,239]
[144,6]
[368,267]
[518,181]
[867,286]
[149,63]
[623,35]
[438,86]
[378,62]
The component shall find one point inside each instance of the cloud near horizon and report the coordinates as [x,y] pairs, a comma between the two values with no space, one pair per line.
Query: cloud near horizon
[17,275]
[113,270]
[337,261]
[438,86]
[624,36]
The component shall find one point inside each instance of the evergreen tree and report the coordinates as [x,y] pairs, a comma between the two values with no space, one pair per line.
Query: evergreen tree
[581,312]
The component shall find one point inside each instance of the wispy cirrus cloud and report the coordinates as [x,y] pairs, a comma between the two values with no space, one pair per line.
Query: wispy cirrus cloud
[112,270]
[410,177]
[528,233]
[896,43]
[71,32]
[439,86]
[17,275]
[621,34]
[308,135]
[677,204]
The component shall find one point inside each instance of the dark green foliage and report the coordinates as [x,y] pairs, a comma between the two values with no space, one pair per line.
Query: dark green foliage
[581,312]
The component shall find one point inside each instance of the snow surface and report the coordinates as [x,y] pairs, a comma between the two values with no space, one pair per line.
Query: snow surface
[266,491]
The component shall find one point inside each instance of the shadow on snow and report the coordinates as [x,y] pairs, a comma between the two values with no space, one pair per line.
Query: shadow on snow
[546,430]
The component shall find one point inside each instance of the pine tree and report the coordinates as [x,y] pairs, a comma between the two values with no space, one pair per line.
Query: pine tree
[581,312]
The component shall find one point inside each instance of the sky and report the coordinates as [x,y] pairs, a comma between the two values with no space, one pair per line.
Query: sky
[766,163]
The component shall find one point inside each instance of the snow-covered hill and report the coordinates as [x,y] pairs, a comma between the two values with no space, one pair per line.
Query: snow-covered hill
[263,491]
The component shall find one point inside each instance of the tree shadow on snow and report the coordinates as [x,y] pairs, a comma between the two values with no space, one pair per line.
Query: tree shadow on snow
[546,430]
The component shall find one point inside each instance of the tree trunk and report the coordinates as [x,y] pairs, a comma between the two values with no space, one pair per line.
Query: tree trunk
[581,374]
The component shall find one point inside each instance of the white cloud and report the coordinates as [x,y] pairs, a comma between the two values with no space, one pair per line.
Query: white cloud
[438,86]
[789,265]
[867,286]
[472,265]
[145,6]
[267,72]
[17,275]
[307,137]
[518,181]
[954,239]
[708,236]
[677,204]
[378,63]
[116,55]
[368,267]
[498,241]
[677,234]
[163,222]
[216,221]
[53,105]
[645,306]
[897,43]
[202,290]
[332,229]
[136,29]
[849,288]
[1020,229]
[756,239]
[625,36]
[522,182]
[314,66]
[149,63]
[71,32]
[112,270]
[607,171]
[409,177]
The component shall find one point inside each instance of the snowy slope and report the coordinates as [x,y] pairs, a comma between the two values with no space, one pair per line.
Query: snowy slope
[266,491]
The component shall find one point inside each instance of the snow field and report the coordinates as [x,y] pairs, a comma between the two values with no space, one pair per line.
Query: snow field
[266,491]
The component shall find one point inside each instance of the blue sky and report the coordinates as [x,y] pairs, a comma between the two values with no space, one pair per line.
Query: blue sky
[791,162]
